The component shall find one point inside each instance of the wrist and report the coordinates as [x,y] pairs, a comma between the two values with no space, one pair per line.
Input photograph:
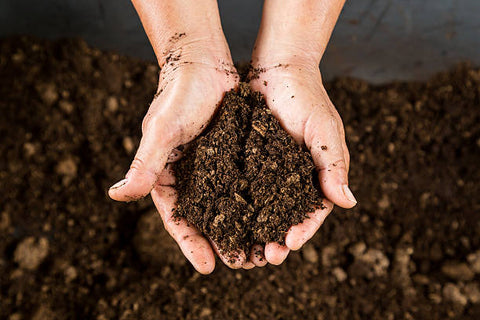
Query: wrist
[295,30]
[183,28]
[187,48]
[272,53]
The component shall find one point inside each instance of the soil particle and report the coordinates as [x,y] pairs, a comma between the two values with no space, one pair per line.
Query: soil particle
[111,104]
[48,93]
[472,291]
[206,312]
[474,261]
[70,274]
[458,271]
[339,274]
[358,249]
[452,293]
[177,36]
[67,168]
[384,202]
[310,253]
[4,221]
[128,145]
[30,149]
[371,263]
[402,266]
[44,313]
[330,256]
[245,181]
[15,316]
[31,252]
[153,244]
[66,106]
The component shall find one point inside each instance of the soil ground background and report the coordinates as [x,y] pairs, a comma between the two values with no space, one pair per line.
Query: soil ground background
[69,125]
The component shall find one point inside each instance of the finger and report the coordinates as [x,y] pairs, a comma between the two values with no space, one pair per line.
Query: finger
[175,155]
[346,154]
[149,162]
[298,234]
[323,138]
[233,260]
[276,253]
[167,176]
[248,265]
[192,243]
[257,256]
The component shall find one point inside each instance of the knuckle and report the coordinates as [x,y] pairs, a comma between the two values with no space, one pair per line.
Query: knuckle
[317,219]
[146,123]
[338,165]
[334,121]
[168,132]
[334,165]
[137,163]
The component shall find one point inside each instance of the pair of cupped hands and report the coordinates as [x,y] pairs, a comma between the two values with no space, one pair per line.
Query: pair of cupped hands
[192,83]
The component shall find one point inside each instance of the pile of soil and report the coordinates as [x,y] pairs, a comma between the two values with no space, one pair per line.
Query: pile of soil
[245,181]
[70,123]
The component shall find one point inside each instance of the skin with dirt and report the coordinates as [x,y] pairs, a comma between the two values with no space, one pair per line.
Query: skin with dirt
[245,181]
[70,122]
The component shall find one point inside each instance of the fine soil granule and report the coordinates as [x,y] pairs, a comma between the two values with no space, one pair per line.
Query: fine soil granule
[245,181]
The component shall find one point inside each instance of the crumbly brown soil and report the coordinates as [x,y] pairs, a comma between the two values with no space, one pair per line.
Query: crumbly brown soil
[69,124]
[245,181]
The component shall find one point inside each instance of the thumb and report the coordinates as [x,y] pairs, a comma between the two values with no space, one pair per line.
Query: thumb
[149,162]
[326,143]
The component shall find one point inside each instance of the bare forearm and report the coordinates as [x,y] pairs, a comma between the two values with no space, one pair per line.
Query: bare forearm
[300,28]
[174,24]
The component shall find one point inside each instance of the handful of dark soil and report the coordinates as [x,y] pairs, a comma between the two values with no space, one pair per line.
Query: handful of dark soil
[245,181]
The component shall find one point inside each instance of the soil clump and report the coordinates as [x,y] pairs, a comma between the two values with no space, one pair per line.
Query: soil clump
[245,181]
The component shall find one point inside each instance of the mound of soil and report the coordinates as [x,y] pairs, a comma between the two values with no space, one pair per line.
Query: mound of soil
[245,181]
[69,125]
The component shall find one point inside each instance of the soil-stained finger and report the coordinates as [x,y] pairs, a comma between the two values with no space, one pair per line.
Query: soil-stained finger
[299,234]
[234,260]
[325,140]
[194,246]
[276,253]
[257,256]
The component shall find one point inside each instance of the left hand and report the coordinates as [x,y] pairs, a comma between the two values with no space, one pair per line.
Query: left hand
[297,98]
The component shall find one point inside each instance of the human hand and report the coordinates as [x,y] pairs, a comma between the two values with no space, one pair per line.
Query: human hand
[295,94]
[192,82]
[196,71]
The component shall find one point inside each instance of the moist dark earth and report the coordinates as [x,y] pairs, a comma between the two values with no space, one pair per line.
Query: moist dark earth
[70,123]
[245,181]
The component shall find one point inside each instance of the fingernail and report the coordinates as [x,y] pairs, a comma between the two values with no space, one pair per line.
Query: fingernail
[348,193]
[119,184]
